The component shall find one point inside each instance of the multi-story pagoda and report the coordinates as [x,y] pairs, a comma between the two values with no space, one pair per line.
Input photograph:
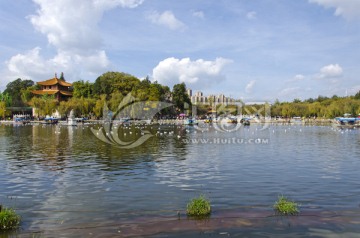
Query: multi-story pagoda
[55,86]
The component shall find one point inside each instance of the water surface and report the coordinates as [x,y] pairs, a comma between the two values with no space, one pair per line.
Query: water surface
[64,182]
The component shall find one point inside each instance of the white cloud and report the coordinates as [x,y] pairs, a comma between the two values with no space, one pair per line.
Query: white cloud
[199,14]
[346,8]
[72,28]
[299,77]
[251,15]
[109,4]
[166,19]
[330,71]
[32,65]
[197,74]
[31,62]
[249,87]
[290,92]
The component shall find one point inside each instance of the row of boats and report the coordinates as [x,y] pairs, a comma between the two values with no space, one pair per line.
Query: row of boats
[232,120]
[346,121]
[47,120]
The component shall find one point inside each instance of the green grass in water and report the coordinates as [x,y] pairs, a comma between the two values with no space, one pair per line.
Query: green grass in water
[286,207]
[199,207]
[8,219]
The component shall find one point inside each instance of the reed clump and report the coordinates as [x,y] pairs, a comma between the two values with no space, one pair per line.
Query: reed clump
[284,206]
[8,219]
[199,207]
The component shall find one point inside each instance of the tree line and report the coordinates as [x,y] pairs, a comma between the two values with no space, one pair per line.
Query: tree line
[321,107]
[89,98]
[112,87]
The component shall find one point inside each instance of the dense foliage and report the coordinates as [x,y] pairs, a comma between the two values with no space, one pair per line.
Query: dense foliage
[322,107]
[89,98]
[18,90]
[110,88]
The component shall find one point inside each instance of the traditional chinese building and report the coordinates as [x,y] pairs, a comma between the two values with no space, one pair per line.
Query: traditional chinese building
[55,86]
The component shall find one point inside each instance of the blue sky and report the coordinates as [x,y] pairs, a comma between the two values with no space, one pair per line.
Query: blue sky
[252,50]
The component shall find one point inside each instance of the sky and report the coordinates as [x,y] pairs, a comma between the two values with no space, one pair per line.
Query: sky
[258,50]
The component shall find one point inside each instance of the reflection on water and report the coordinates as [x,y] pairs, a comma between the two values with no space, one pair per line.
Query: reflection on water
[64,181]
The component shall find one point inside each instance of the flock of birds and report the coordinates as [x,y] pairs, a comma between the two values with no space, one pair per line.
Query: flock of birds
[180,130]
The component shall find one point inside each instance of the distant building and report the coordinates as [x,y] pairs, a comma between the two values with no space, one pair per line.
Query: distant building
[55,86]
[199,98]
[189,92]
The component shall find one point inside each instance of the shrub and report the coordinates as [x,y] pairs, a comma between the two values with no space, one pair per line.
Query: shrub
[199,207]
[286,207]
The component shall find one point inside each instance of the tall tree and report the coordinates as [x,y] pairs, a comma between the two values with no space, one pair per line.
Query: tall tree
[180,97]
[15,88]
[115,81]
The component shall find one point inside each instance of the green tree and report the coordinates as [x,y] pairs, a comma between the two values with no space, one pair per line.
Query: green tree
[65,107]
[82,89]
[116,98]
[45,105]
[314,109]
[2,109]
[180,97]
[357,95]
[115,81]
[99,106]
[6,98]
[15,88]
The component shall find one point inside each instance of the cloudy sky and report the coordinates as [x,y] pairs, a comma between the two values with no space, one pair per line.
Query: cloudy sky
[253,50]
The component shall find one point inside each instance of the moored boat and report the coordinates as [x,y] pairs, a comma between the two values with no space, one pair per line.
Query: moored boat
[347,121]
[245,121]
[21,119]
[50,120]
[190,122]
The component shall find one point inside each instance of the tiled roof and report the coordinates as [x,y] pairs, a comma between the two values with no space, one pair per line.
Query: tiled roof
[43,92]
[54,81]
[51,92]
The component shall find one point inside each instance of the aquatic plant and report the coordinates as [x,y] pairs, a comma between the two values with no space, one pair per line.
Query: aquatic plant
[286,207]
[8,219]
[198,207]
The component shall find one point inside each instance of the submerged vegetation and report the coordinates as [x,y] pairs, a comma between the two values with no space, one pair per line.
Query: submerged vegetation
[198,207]
[8,219]
[286,207]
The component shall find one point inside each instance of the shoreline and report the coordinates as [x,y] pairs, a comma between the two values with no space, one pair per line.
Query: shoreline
[181,121]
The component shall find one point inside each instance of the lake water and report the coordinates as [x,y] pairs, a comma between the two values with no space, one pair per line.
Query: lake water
[65,182]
